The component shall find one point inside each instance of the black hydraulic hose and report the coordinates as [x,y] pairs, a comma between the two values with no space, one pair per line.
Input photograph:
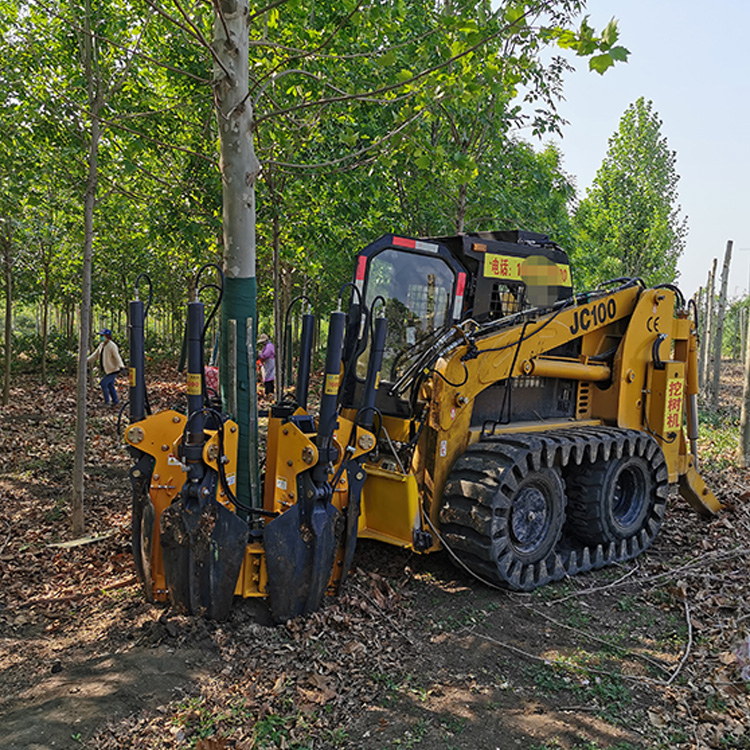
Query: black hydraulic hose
[207,322]
[220,464]
[150,291]
[624,281]
[355,288]
[676,290]
[533,333]
[219,287]
[355,338]
[376,412]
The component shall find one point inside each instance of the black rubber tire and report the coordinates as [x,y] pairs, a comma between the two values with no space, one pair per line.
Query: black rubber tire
[503,512]
[610,500]
[536,516]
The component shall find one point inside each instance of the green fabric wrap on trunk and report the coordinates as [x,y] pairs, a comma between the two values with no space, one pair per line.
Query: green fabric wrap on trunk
[239,303]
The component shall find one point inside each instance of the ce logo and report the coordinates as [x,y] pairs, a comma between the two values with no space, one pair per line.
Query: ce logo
[653,323]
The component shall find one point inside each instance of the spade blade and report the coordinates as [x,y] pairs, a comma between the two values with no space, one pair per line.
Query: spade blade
[140,478]
[299,558]
[203,546]
[148,526]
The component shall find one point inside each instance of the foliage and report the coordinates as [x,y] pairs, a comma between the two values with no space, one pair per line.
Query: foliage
[629,223]
[370,118]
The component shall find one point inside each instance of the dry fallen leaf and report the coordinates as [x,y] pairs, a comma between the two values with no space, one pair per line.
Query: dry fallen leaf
[727,657]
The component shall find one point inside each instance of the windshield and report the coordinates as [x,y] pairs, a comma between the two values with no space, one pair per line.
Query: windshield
[418,292]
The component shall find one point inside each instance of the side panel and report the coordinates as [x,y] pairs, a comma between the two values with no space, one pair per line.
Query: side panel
[390,507]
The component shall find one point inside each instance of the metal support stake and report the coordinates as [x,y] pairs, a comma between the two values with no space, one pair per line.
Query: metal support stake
[232,381]
[253,417]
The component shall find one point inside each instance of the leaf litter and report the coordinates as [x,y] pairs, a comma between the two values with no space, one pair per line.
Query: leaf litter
[412,653]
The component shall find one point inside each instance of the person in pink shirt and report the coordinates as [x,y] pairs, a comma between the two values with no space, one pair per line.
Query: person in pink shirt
[267,358]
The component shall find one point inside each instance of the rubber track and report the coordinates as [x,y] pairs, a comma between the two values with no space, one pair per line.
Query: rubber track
[478,493]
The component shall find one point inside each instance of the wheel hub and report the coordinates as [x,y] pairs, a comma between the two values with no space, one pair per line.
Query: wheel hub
[529,520]
[628,496]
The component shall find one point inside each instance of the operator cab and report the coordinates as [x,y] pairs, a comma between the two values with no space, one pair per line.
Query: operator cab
[419,287]
[424,287]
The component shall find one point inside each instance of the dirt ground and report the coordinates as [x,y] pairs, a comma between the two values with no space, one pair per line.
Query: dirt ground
[413,653]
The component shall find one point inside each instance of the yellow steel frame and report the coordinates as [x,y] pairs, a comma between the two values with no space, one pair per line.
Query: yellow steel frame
[631,318]
[632,393]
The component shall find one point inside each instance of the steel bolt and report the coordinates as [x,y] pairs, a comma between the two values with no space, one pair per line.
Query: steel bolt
[135,435]
[366,442]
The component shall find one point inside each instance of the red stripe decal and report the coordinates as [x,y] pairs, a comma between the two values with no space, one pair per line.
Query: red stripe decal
[403,242]
[361,267]
[460,284]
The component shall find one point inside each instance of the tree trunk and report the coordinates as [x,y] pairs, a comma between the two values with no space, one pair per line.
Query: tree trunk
[278,322]
[7,241]
[239,171]
[45,318]
[461,209]
[706,364]
[84,332]
[744,447]
[719,337]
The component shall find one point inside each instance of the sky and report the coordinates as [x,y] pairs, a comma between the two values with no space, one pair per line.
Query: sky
[692,60]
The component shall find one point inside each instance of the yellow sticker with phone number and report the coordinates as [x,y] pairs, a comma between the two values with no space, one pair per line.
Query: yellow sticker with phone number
[194,384]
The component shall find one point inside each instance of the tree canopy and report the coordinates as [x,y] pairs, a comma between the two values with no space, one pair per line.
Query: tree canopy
[630,223]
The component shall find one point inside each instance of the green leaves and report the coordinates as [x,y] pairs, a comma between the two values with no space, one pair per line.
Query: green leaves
[629,224]
[600,63]
[586,43]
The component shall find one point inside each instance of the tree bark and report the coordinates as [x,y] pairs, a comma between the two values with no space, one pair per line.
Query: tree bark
[45,312]
[744,447]
[239,172]
[7,241]
[461,208]
[718,338]
[699,299]
[706,364]
[278,322]
[77,520]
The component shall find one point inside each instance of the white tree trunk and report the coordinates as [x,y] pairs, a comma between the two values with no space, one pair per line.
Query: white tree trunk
[77,520]
[706,364]
[7,242]
[239,173]
[718,338]
[744,448]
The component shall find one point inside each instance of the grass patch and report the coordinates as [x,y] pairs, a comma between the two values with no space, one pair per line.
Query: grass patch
[719,438]
[571,674]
